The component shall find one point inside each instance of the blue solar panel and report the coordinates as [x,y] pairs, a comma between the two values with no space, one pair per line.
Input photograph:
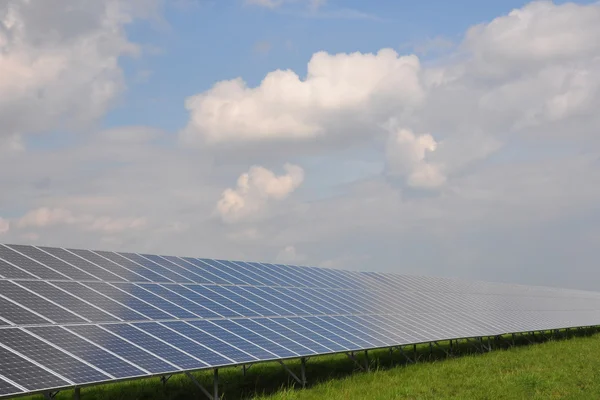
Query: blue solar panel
[157,268]
[283,341]
[128,300]
[77,317]
[17,314]
[211,342]
[7,389]
[37,304]
[87,351]
[255,338]
[50,357]
[103,302]
[130,265]
[64,299]
[9,271]
[235,340]
[27,374]
[185,344]
[155,346]
[138,357]
[27,264]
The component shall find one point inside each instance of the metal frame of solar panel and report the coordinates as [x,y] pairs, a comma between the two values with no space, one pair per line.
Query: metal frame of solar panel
[72,318]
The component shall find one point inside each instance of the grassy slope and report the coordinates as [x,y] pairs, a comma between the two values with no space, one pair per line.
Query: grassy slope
[563,369]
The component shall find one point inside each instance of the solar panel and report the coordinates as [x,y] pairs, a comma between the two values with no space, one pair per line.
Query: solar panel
[72,317]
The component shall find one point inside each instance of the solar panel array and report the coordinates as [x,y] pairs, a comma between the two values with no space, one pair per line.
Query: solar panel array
[78,317]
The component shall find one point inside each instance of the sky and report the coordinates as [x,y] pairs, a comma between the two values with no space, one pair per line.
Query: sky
[425,137]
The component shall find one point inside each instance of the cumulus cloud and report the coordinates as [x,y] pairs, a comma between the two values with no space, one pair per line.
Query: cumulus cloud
[406,154]
[44,217]
[313,4]
[59,61]
[539,33]
[4,226]
[284,106]
[289,255]
[255,189]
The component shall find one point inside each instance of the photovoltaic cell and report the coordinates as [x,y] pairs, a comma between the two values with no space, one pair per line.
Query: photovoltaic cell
[130,301]
[275,337]
[8,389]
[209,341]
[75,304]
[11,272]
[18,315]
[26,373]
[183,343]
[83,264]
[155,346]
[195,308]
[53,262]
[94,258]
[87,351]
[231,338]
[255,338]
[46,355]
[37,304]
[157,268]
[71,317]
[101,301]
[128,264]
[123,348]
[28,264]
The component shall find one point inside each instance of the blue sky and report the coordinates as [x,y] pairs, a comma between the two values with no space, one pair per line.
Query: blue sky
[441,138]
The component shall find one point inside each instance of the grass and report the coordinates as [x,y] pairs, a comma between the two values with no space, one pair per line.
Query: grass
[550,368]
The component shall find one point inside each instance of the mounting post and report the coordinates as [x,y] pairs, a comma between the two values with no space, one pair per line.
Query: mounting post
[406,355]
[210,396]
[77,394]
[351,356]
[303,371]
[367,366]
[289,371]
[165,378]
[216,384]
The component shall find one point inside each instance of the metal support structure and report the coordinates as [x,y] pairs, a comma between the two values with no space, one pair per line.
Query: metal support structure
[303,371]
[215,395]
[77,394]
[50,395]
[292,374]
[351,356]
[216,384]
[444,350]
[165,378]
[367,364]
[406,355]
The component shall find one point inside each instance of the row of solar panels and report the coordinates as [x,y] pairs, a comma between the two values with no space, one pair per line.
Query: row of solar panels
[53,357]
[34,302]
[47,263]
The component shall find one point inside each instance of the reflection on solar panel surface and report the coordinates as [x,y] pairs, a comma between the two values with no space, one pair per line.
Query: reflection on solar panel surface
[77,317]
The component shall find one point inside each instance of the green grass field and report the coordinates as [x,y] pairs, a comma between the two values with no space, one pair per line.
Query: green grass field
[551,368]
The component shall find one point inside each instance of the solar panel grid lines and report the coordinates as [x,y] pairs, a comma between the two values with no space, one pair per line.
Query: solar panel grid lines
[56,264]
[128,315]
[156,268]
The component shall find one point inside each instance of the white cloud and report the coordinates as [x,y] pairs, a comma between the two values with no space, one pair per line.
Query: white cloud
[59,61]
[255,189]
[530,37]
[340,87]
[406,155]
[313,4]
[289,255]
[46,217]
[4,226]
